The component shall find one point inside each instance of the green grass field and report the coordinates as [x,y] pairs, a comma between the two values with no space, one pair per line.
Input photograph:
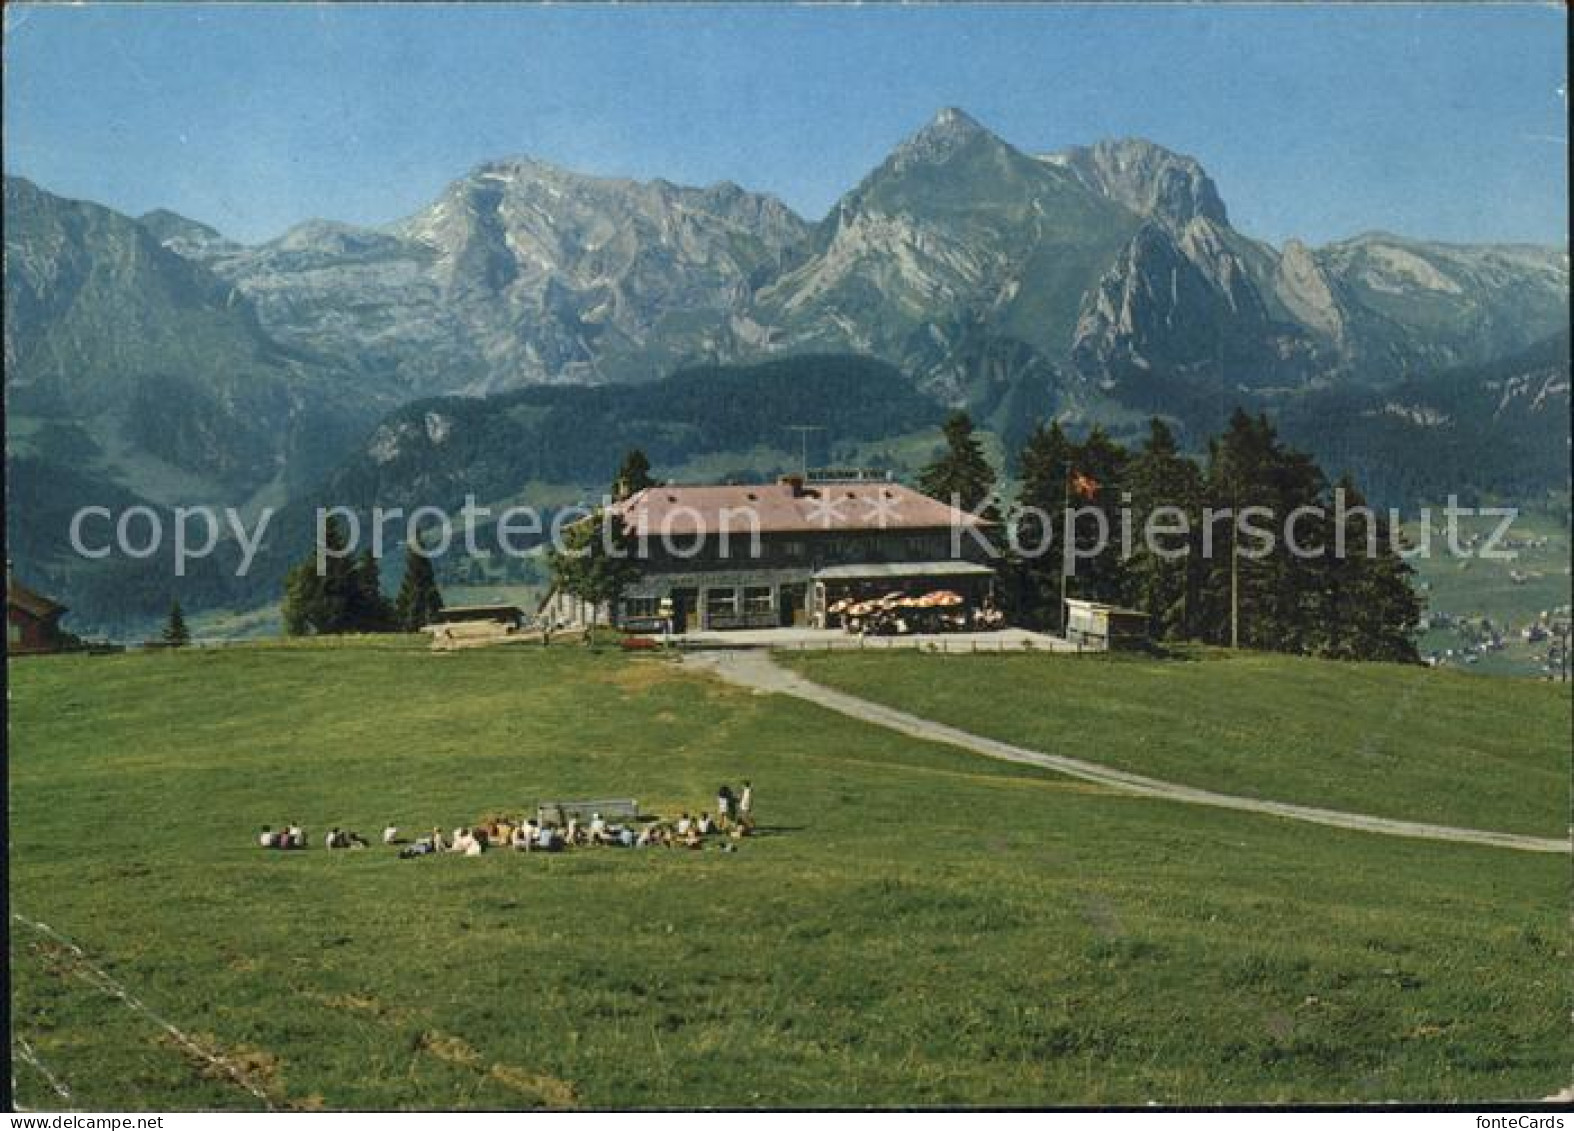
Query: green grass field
[914,926]
[1383,739]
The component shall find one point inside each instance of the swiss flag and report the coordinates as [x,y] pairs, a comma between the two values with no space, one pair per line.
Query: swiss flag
[1085,486]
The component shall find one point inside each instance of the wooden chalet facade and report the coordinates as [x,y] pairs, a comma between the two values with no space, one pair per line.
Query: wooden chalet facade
[32,621]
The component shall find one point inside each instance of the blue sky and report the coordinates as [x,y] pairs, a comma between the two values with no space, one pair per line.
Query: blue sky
[1317,122]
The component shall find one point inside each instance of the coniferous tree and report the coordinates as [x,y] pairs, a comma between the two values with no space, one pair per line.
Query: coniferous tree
[176,634]
[1235,581]
[1368,607]
[1098,465]
[368,609]
[1289,596]
[1294,607]
[338,580]
[961,475]
[1251,574]
[322,602]
[419,600]
[633,476]
[302,610]
[1043,467]
[1161,577]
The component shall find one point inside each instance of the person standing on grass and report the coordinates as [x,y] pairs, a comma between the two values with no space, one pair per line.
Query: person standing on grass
[723,807]
[746,804]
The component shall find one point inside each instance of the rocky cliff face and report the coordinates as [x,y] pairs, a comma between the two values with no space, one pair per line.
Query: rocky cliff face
[1181,306]
[158,369]
[1167,188]
[520,273]
[1116,266]
[1182,302]
[1371,309]
[1307,292]
[1094,266]
[1408,305]
[1186,295]
[955,235]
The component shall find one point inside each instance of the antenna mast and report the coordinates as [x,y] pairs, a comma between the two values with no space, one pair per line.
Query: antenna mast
[803,431]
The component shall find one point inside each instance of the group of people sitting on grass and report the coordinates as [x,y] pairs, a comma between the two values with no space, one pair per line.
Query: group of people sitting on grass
[289,836]
[733,820]
[293,836]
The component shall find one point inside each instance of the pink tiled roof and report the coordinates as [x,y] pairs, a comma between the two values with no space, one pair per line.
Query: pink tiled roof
[780,508]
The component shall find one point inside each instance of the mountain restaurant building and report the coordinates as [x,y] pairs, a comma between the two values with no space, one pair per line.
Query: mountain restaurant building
[777,555]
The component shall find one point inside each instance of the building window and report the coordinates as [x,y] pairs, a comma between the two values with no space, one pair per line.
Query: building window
[641,606]
[793,549]
[721,602]
[758,599]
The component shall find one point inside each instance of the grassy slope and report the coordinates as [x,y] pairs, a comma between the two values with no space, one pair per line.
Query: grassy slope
[920,926]
[1375,738]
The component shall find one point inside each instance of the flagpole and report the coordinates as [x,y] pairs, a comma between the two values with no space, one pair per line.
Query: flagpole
[1065,549]
[1235,574]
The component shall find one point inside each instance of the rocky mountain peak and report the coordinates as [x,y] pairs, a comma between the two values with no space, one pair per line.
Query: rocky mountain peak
[329,237]
[954,119]
[1152,181]
[946,134]
[171,227]
[523,169]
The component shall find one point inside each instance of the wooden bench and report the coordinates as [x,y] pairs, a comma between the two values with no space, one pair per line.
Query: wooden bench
[559,812]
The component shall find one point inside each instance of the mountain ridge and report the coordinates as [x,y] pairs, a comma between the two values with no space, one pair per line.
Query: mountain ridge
[511,276]
[156,359]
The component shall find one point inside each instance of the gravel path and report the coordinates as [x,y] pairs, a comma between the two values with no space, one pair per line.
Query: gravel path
[754,668]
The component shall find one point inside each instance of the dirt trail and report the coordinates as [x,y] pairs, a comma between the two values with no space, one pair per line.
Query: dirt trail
[754,668]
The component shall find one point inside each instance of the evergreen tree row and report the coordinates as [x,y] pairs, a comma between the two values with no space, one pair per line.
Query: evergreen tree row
[347,595]
[1349,596]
